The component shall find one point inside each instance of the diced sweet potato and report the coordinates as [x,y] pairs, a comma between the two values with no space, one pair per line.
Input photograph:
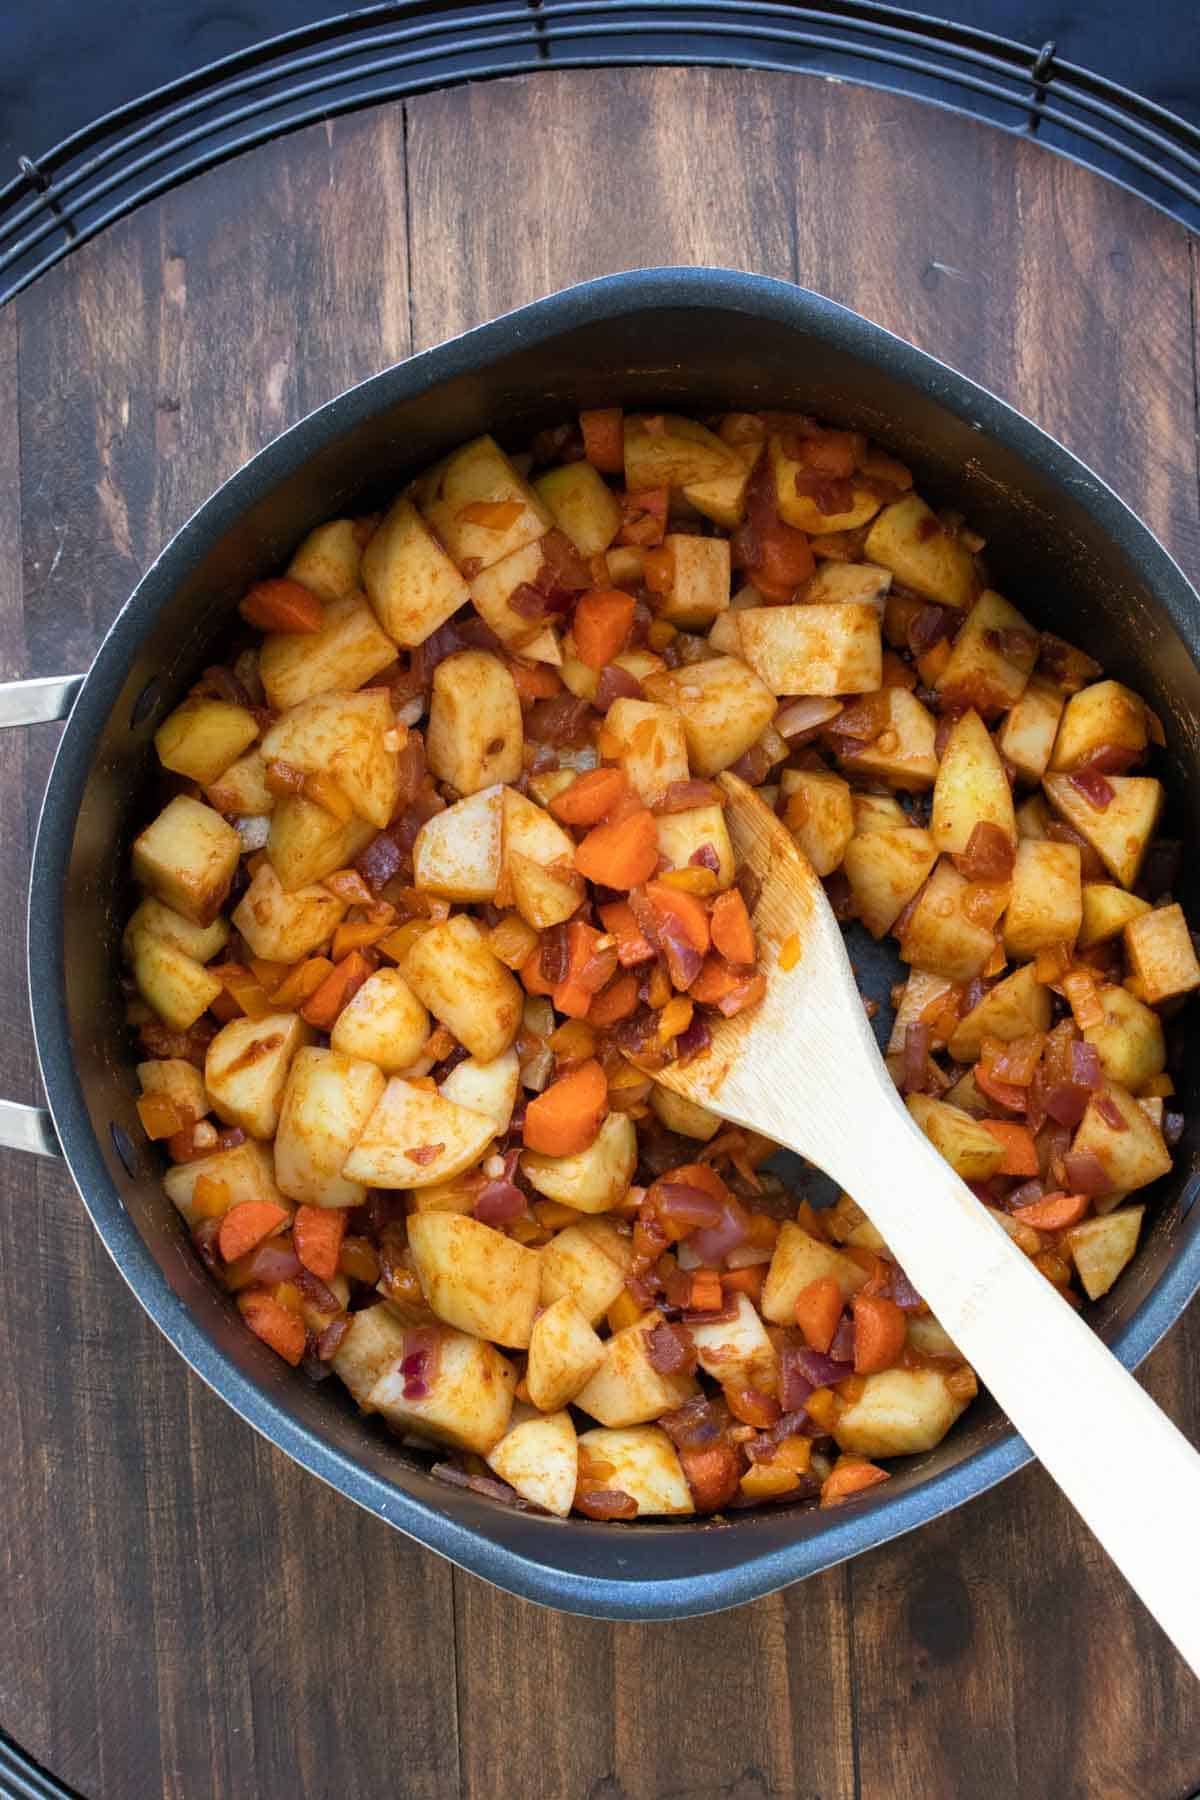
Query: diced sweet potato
[491,591]
[374,1343]
[1131,1156]
[582,504]
[352,738]
[1130,1041]
[802,511]
[245,1172]
[489,1088]
[1027,735]
[675,454]
[902,755]
[1106,912]
[699,588]
[679,1114]
[175,985]
[642,1463]
[306,843]
[683,835]
[938,936]
[737,1352]
[179,1082]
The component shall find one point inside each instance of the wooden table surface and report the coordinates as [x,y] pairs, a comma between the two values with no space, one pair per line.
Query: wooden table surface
[185,1613]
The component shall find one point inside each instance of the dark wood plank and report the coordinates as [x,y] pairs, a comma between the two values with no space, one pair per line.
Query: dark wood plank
[186,1612]
[1072,300]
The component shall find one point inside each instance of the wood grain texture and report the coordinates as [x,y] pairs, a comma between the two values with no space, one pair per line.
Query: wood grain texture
[190,1615]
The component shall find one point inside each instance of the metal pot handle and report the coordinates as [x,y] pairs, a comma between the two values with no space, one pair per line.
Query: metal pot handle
[37,702]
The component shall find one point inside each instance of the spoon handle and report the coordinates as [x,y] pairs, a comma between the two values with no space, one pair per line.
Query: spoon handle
[1129,1473]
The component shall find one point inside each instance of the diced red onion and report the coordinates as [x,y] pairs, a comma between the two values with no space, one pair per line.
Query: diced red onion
[555,957]
[915,1073]
[687,794]
[989,855]
[694,1425]
[669,1350]
[705,858]
[1110,1112]
[748,886]
[684,961]
[842,1348]
[928,627]
[380,862]
[1026,1195]
[823,1370]
[712,1243]
[1066,1102]
[904,1294]
[527,601]
[330,1340]
[616,683]
[795,1383]
[1085,1173]
[696,1038]
[274,1261]
[1095,789]
[1086,1071]
[499,1203]
[687,1205]
[563,720]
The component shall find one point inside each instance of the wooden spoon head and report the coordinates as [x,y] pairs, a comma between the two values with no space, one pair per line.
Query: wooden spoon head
[778,1066]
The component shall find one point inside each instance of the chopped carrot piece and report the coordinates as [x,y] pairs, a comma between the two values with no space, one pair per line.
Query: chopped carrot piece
[246,1225]
[880,1329]
[566,1117]
[530,972]
[784,560]
[601,625]
[356,934]
[160,1116]
[658,570]
[281,605]
[715,981]
[244,987]
[746,1281]
[732,932]
[850,1475]
[268,974]
[645,516]
[620,855]
[534,681]
[688,912]
[1054,1212]
[590,797]
[707,1295]
[619,1000]
[317,1239]
[603,429]
[1004,1093]
[819,1312]
[276,1325]
[1020,1151]
[302,982]
[339,986]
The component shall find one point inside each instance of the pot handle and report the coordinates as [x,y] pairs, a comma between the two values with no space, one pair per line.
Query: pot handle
[37,702]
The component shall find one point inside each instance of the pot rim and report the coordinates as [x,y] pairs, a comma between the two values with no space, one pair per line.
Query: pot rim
[856,1527]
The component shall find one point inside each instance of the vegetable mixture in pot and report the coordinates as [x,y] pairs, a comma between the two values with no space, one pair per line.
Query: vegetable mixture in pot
[444,879]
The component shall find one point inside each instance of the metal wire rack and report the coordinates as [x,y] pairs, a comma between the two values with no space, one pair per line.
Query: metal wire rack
[67,194]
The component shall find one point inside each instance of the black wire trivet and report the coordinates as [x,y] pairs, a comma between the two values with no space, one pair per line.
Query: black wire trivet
[68,194]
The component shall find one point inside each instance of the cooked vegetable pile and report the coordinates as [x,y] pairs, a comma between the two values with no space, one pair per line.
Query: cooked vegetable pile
[444,879]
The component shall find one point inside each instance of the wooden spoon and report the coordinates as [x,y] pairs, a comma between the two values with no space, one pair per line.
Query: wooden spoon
[804,1069]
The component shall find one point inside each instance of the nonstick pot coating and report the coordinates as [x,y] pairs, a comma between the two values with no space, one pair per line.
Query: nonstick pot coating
[1059,544]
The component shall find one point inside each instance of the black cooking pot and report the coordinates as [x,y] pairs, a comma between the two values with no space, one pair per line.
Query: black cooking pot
[1059,542]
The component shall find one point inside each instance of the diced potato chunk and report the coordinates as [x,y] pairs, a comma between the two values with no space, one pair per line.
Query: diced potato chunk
[489,1088]
[1161,954]
[724,707]
[818,815]
[306,843]
[582,504]
[682,834]
[650,745]
[1131,1157]
[821,649]
[909,540]
[1104,716]
[885,870]
[537,863]
[903,753]
[460,496]
[798,1259]
[286,927]
[374,1343]
[457,852]
[176,986]
[939,937]
[329,560]
[1100,1248]
[383,1023]
[475,735]
[737,1351]
[627,1389]
[491,591]
[723,500]
[326,1104]
[925,1334]
[677,453]
[453,971]
[899,1413]
[971,788]
[699,587]
[971,1151]
[177,1081]
[186,858]
[540,1459]
[352,738]
[593,1180]
[1120,832]
[802,511]
[242,790]
[1016,1007]
[413,585]
[152,919]
[642,1463]
[469,1398]
[1046,902]
[584,682]
[845,581]
[245,1172]
[543,897]
[342,656]
[1106,912]
[246,1069]
[202,737]
[475,1277]
[679,1114]
[564,1353]
[414,1138]
[588,1261]
[992,658]
[1130,1041]
[1027,735]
